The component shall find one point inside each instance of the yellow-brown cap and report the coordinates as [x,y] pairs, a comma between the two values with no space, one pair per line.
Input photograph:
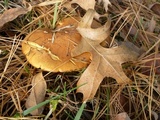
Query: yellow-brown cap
[51,51]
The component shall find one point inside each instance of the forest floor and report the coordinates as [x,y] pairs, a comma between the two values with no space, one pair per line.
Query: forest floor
[136,21]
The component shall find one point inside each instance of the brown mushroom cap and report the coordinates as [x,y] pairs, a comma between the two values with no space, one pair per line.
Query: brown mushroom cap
[51,51]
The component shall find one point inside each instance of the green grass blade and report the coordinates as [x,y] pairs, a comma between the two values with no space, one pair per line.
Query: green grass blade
[55,15]
[29,110]
[80,111]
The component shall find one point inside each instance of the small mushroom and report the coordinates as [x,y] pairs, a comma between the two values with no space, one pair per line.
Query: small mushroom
[50,50]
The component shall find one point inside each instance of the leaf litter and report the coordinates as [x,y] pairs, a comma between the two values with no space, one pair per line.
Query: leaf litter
[142,93]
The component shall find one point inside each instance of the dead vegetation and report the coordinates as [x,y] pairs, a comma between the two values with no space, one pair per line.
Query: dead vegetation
[136,21]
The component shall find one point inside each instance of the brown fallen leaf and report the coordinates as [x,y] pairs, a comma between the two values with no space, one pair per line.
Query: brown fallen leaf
[87,4]
[156,8]
[11,14]
[122,116]
[106,62]
[37,94]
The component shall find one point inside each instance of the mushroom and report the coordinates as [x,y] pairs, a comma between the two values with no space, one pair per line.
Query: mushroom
[50,50]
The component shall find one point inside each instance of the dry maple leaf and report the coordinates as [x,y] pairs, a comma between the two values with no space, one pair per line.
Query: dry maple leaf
[106,62]
[37,93]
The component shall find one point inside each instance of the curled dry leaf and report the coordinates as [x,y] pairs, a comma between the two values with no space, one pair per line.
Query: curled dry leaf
[87,4]
[90,4]
[11,14]
[37,94]
[51,51]
[106,62]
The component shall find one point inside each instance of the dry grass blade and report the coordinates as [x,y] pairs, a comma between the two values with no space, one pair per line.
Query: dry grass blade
[136,21]
[15,45]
